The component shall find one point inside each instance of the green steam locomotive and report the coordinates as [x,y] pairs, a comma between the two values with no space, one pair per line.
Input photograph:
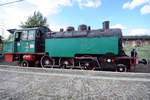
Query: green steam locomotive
[85,48]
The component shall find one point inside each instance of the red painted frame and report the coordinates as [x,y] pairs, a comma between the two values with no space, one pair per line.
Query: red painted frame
[9,56]
[133,60]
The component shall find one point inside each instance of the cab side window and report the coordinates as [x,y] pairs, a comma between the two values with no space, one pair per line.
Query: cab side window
[24,36]
[31,35]
[38,34]
[11,38]
[17,36]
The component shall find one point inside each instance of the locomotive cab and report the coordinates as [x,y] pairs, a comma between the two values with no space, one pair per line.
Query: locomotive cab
[24,41]
[25,44]
[30,40]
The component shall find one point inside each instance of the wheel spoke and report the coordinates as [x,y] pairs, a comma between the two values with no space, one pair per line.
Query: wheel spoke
[46,62]
[88,64]
[65,62]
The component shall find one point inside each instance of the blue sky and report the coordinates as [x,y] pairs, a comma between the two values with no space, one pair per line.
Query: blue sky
[132,16]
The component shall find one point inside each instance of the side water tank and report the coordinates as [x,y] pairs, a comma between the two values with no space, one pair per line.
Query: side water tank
[82,27]
[70,29]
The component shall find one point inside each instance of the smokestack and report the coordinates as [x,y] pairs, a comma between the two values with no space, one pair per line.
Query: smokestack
[106,25]
[61,30]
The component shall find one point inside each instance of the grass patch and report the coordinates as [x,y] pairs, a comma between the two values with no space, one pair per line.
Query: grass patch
[143,52]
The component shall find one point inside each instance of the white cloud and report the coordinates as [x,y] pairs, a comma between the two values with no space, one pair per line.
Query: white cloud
[56,26]
[89,3]
[145,9]
[119,26]
[16,13]
[134,3]
[126,5]
[93,4]
[6,1]
[133,32]
[48,7]
[140,32]
[12,15]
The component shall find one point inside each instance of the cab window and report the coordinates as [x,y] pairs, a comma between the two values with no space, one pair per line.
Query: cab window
[17,36]
[31,34]
[24,36]
[11,38]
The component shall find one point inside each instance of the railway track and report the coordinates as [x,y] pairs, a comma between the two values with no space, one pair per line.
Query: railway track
[73,72]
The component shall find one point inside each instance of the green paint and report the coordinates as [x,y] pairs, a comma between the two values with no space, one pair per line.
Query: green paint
[25,47]
[8,47]
[68,47]
[20,47]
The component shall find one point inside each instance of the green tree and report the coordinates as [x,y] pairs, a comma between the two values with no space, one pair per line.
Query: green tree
[9,38]
[1,46]
[0,39]
[35,20]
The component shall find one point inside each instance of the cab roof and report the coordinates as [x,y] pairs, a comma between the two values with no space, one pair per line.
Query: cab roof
[41,28]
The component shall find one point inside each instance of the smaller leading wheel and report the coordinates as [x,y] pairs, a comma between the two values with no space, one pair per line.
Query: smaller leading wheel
[121,68]
[25,64]
[46,62]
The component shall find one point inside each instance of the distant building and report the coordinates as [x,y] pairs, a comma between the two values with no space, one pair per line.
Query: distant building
[138,41]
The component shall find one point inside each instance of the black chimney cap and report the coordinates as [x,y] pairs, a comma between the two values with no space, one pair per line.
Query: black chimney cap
[106,25]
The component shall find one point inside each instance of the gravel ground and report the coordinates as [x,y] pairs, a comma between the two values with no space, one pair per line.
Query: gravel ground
[143,68]
[17,83]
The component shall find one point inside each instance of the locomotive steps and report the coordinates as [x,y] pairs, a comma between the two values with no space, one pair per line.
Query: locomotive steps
[62,84]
